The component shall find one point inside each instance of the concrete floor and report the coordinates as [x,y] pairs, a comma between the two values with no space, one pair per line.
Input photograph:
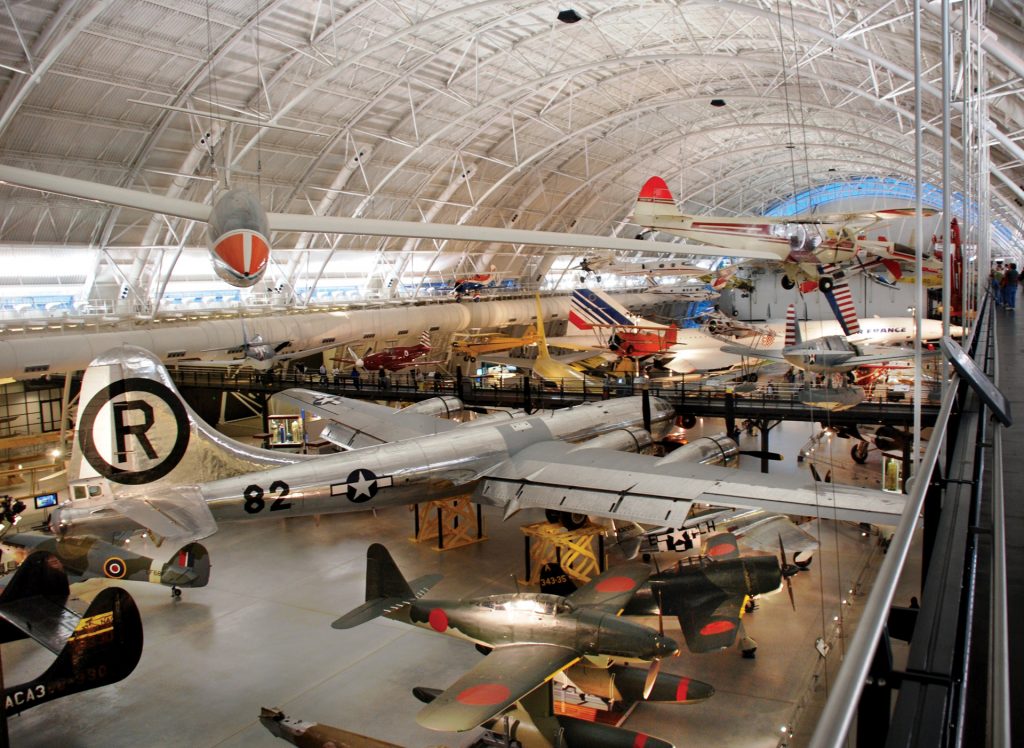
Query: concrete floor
[260,635]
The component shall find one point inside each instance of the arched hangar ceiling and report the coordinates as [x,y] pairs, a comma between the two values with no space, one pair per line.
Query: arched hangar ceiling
[490,112]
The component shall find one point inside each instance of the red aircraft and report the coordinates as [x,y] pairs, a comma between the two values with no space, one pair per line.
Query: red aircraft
[395,358]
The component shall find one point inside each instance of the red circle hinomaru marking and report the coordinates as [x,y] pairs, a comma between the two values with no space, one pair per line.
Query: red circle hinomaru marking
[438,620]
[717,627]
[485,694]
[683,689]
[616,584]
[718,550]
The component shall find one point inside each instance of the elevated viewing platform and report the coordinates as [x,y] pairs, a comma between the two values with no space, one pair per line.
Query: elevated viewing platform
[747,401]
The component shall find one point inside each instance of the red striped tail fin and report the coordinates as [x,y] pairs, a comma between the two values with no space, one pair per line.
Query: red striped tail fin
[841,301]
[792,333]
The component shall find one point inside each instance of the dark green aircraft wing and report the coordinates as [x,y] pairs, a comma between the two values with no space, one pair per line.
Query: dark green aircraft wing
[613,589]
[498,681]
[713,624]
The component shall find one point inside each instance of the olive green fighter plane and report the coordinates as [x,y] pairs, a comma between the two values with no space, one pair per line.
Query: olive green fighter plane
[531,636]
[92,558]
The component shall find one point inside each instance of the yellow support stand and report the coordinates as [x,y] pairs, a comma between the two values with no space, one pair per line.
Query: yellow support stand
[449,524]
[580,552]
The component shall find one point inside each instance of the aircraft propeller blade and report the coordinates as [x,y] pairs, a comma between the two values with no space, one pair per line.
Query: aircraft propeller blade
[761,455]
[661,617]
[814,472]
[281,346]
[788,570]
[652,676]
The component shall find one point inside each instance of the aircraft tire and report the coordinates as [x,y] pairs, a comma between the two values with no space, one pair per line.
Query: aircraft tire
[859,452]
[568,520]
[825,284]
[788,283]
[689,421]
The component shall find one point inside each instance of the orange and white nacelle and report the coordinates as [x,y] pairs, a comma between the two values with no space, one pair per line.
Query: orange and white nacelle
[238,231]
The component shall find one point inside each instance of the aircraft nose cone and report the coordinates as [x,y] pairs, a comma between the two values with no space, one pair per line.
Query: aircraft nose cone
[664,646]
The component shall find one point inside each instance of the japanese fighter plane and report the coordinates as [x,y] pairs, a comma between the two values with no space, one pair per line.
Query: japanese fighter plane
[93,650]
[804,244]
[530,636]
[708,596]
[144,461]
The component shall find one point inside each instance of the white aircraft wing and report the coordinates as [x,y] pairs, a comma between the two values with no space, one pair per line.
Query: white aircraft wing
[127,198]
[603,482]
[881,355]
[742,350]
[358,423]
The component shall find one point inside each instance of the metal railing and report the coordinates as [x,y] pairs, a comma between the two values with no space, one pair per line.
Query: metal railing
[835,721]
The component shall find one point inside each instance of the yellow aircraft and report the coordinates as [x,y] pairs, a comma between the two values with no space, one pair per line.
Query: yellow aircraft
[474,344]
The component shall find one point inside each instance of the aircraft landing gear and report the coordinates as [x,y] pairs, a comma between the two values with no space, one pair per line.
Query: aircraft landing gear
[748,648]
[859,452]
[825,283]
[568,520]
[788,283]
[175,592]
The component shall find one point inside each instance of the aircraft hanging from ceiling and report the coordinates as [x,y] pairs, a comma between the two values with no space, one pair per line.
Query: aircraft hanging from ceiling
[256,353]
[239,228]
[528,637]
[144,461]
[804,244]
[392,358]
[830,354]
[605,263]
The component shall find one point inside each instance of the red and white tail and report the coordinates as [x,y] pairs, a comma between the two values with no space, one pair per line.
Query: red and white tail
[792,333]
[841,301]
[655,200]
[425,339]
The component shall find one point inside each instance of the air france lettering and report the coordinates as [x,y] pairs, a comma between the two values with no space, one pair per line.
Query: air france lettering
[134,431]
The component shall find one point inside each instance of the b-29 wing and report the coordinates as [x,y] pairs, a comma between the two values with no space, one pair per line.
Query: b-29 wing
[619,485]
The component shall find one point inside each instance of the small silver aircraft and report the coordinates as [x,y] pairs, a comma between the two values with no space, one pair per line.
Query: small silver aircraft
[830,354]
[529,636]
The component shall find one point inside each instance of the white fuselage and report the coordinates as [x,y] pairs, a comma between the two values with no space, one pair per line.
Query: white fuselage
[699,351]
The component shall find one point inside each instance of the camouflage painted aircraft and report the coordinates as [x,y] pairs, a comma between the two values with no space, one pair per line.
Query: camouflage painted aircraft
[90,558]
[530,636]
[93,650]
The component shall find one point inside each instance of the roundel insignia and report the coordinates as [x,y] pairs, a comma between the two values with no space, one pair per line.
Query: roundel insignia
[362,485]
[114,568]
[134,427]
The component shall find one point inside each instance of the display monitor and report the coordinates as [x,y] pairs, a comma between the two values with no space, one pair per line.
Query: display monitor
[46,500]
